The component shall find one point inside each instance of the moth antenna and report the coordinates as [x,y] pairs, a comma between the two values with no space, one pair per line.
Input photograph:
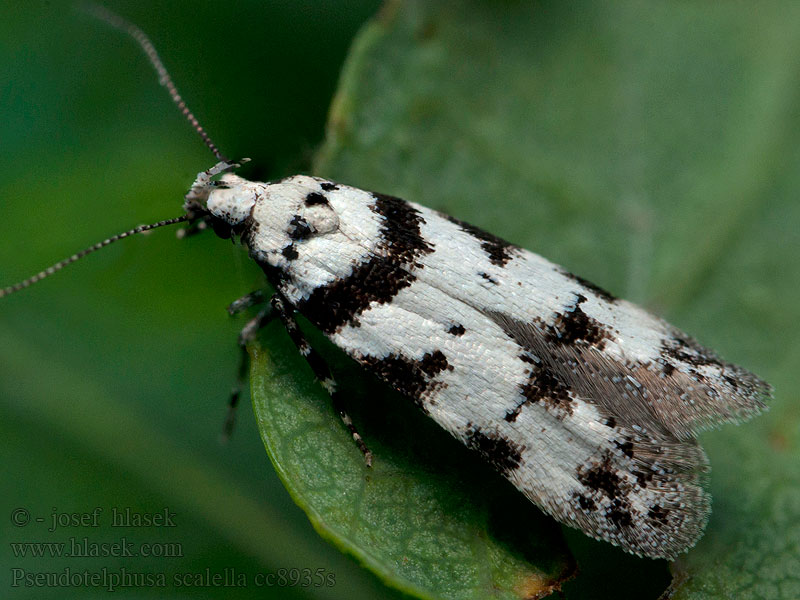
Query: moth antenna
[63,263]
[103,14]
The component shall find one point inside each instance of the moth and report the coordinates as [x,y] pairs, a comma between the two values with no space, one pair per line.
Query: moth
[586,403]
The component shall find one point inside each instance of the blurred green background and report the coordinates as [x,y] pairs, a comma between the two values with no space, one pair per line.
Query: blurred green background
[114,376]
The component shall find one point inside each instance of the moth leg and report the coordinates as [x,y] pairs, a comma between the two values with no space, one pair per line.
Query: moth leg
[321,370]
[245,302]
[247,335]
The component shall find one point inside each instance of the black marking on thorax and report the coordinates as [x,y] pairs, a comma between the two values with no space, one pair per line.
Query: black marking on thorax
[316,199]
[299,229]
[386,271]
[289,252]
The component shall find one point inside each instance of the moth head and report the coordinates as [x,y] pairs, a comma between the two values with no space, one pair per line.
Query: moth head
[230,203]
[224,203]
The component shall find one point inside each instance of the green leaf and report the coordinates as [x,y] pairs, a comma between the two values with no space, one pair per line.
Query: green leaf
[414,518]
[651,147]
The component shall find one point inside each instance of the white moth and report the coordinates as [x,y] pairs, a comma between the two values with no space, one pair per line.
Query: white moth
[588,404]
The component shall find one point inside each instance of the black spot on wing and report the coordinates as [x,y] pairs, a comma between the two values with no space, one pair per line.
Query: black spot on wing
[414,378]
[316,199]
[575,326]
[328,186]
[378,279]
[625,447]
[498,250]
[341,301]
[542,387]
[400,231]
[602,479]
[488,278]
[601,476]
[433,363]
[456,330]
[658,515]
[686,350]
[643,478]
[731,381]
[584,502]
[503,454]
[588,285]
[619,513]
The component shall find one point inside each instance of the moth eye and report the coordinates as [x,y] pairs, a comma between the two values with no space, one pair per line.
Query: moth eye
[221,227]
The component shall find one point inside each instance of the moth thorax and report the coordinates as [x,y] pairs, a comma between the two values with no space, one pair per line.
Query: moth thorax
[296,209]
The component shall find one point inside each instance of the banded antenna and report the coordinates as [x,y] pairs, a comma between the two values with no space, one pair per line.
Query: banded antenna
[79,255]
[140,37]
